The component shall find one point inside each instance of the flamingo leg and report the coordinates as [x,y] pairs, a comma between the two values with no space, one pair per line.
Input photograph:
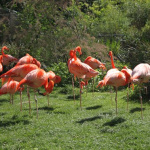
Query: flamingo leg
[80,95]
[10,98]
[141,103]
[73,88]
[48,99]
[93,86]
[35,98]
[116,100]
[29,100]
[20,100]
[128,97]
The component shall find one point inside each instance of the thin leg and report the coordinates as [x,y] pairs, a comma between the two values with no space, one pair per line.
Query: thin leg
[48,99]
[80,95]
[36,103]
[93,86]
[20,100]
[73,88]
[10,98]
[29,100]
[141,103]
[116,101]
[111,95]
[127,97]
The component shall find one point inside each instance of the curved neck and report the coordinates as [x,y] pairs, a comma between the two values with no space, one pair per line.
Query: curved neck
[112,60]
[2,51]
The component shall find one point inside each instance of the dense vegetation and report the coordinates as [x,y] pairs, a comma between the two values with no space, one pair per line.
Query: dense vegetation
[49,29]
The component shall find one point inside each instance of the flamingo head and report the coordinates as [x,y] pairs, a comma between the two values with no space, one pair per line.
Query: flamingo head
[110,53]
[78,48]
[102,66]
[57,79]
[5,48]
[36,62]
[71,53]
[82,83]
[127,74]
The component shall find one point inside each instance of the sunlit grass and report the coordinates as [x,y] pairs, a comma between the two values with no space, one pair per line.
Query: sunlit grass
[63,125]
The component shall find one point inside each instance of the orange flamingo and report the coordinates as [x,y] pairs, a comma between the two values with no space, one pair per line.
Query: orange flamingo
[141,74]
[78,48]
[95,64]
[36,79]
[7,59]
[18,73]
[116,79]
[80,70]
[28,59]
[11,88]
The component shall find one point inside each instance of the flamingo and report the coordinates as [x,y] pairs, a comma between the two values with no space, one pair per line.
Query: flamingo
[7,59]
[141,74]
[80,69]
[78,48]
[28,59]
[95,64]
[116,79]
[36,79]
[18,73]
[11,88]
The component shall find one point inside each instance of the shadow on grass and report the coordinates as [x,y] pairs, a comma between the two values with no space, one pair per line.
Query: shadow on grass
[3,101]
[70,97]
[89,119]
[94,107]
[46,108]
[136,109]
[114,121]
[13,121]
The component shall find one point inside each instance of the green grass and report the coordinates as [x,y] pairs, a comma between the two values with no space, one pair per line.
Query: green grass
[63,126]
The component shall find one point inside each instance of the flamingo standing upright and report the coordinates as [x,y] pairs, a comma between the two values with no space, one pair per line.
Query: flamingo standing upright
[78,48]
[36,79]
[116,79]
[95,64]
[141,74]
[80,70]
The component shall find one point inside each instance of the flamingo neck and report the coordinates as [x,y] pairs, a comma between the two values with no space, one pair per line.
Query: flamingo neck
[112,61]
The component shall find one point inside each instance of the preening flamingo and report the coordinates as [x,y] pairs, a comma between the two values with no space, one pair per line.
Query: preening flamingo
[36,79]
[95,64]
[18,73]
[11,88]
[80,69]
[28,59]
[7,59]
[141,74]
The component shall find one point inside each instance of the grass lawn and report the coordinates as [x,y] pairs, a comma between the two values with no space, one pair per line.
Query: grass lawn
[63,126]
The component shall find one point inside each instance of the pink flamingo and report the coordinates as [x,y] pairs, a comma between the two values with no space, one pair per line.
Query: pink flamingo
[11,88]
[78,48]
[115,78]
[7,59]
[80,69]
[95,64]
[141,74]
[36,79]
[28,59]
